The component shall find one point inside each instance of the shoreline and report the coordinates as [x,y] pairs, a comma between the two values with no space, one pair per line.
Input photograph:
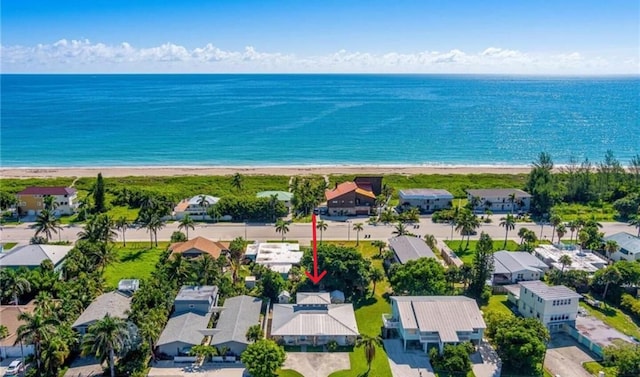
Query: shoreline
[287,170]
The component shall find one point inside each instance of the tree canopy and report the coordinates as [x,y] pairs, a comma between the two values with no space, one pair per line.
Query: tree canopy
[521,343]
[424,276]
[263,358]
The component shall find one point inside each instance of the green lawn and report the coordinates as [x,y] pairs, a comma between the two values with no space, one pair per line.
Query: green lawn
[594,367]
[369,317]
[615,318]
[573,211]
[288,373]
[130,213]
[466,253]
[8,245]
[497,303]
[137,261]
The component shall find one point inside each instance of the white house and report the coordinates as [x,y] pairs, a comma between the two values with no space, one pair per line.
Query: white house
[500,200]
[32,200]
[512,267]
[277,256]
[196,207]
[583,260]
[554,306]
[629,246]
[425,199]
[282,196]
[31,256]
[433,321]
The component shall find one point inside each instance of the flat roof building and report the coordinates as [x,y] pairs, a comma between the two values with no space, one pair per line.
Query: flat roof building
[582,260]
[278,256]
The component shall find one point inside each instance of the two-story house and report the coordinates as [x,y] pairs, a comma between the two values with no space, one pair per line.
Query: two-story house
[628,246]
[432,321]
[32,200]
[196,207]
[425,199]
[499,200]
[350,199]
[554,306]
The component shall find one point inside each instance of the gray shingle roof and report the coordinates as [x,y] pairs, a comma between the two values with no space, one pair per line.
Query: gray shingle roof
[548,292]
[410,248]
[498,193]
[184,328]
[506,262]
[33,255]
[425,193]
[238,315]
[113,303]
[295,320]
[629,244]
[445,315]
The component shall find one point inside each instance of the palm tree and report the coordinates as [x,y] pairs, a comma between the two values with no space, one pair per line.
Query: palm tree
[610,247]
[561,230]
[14,284]
[236,181]
[380,245]
[611,275]
[321,226]
[573,226]
[122,224]
[369,344]
[555,220]
[105,339]
[399,230]
[50,202]
[358,227]
[509,223]
[512,199]
[103,255]
[214,213]
[431,241]
[375,275]
[203,268]
[254,333]
[236,250]
[46,223]
[565,261]
[282,227]
[635,222]
[178,270]
[203,203]
[99,229]
[186,223]
[153,223]
[521,233]
[34,331]
[54,352]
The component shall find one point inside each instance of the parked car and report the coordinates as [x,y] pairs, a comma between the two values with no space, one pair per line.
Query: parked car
[14,368]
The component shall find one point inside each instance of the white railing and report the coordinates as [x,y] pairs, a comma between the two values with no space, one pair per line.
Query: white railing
[389,322]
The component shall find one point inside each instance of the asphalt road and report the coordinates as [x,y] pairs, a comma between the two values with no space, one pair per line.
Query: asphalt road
[302,232]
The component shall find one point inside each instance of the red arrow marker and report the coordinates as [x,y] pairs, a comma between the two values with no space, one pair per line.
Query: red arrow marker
[315,278]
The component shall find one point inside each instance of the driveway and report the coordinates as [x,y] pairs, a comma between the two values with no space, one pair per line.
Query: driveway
[565,357]
[407,364]
[486,362]
[171,369]
[317,364]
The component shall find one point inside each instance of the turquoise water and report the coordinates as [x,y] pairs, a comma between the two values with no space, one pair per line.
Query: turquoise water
[111,120]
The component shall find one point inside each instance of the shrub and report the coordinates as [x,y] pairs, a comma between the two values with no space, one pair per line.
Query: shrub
[455,358]
[178,237]
[630,304]
[332,346]
[38,240]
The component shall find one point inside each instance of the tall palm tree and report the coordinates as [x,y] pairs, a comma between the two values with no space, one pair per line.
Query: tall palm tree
[400,229]
[153,224]
[99,229]
[554,220]
[282,227]
[203,203]
[321,225]
[561,230]
[610,247]
[34,330]
[214,213]
[150,327]
[103,255]
[358,227]
[46,223]
[122,224]
[635,222]
[512,199]
[206,268]
[565,261]
[573,226]
[611,275]
[380,245]
[14,284]
[521,233]
[105,339]
[237,181]
[369,344]
[186,223]
[178,269]
[375,275]
[509,223]
[54,352]
[50,202]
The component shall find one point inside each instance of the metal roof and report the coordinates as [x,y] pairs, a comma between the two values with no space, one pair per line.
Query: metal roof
[446,315]
[322,320]
[548,292]
[498,193]
[507,262]
[33,255]
[197,293]
[409,248]
[184,328]
[313,298]
[281,195]
[628,243]
[424,193]
[238,314]
[114,303]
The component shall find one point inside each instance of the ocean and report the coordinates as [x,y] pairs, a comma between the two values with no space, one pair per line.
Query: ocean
[274,120]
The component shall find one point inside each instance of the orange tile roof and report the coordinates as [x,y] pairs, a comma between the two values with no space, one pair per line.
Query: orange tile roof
[346,187]
[365,192]
[202,244]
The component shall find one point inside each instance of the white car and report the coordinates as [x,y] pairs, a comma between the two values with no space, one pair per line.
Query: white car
[14,368]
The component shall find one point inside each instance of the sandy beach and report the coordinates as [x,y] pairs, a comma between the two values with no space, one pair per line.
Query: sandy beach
[252,170]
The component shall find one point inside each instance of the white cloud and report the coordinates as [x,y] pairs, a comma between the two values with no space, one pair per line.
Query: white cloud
[66,56]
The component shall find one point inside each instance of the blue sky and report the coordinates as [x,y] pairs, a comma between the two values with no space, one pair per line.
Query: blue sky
[397,36]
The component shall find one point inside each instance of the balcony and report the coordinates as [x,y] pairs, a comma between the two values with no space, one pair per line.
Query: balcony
[389,322]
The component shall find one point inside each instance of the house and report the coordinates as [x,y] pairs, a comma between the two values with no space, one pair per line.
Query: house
[284,297]
[195,207]
[629,246]
[114,303]
[199,246]
[583,260]
[500,200]
[9,315]
[433,321]
[313,320]
[31,200]
[406,248]
[554,306]
[31,256]
[512,267]
[354,198]
[196,299]
[238,314]
[277,256]
[425,199]
[282,196]
[187,326]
